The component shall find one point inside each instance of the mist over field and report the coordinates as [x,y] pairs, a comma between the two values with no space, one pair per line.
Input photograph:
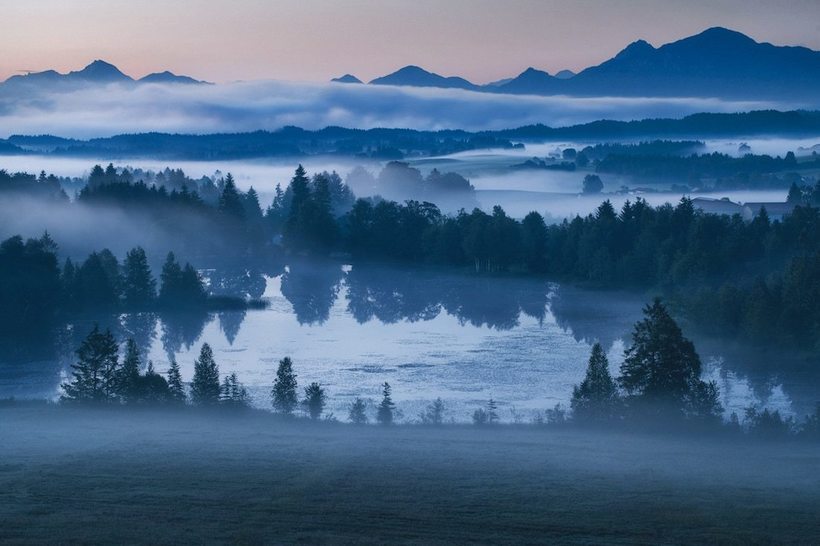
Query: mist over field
[87,112]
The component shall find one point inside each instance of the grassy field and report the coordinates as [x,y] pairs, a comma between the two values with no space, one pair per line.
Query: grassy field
[81,476]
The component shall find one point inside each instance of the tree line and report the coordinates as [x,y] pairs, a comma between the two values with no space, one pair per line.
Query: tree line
[659,385]
[34,288]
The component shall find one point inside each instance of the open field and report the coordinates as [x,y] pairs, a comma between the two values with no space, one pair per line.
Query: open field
[82,476]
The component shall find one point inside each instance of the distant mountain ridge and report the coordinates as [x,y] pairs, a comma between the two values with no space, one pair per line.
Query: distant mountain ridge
[97,72]
[295,142]
[717,62]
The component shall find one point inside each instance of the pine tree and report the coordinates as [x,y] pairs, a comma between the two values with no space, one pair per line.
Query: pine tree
[205,388]
[492,412]
[315,400]
[230,202]
[661,370]
[129,374]
[596,397]
[140,286]
[356,413]
[434,413]
[175,386]
[234,394]
[283,395]
[384,414]
[300,196]
[96,373]
[170,277]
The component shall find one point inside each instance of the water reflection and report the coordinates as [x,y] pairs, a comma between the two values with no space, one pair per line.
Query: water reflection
[453,335]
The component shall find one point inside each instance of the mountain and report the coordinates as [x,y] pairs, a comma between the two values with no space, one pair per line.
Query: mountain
[413,76]
[168,77]
[97,73]
[347,78]
[531,81]
[718,63]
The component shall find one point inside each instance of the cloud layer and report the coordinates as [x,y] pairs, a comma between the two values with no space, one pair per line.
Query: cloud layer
[249,106]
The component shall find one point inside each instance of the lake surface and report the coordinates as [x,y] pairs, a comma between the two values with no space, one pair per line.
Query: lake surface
[522,342]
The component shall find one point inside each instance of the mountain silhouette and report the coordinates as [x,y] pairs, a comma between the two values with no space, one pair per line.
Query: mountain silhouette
[717,62]
[418,77]
[98,72]
[167,77]
[347,78]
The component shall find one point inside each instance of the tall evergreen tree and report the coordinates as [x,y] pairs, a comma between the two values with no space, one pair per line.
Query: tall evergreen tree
[492,412]
[384,413]
[140,287]
[175,386]
[230,202]
[595,399]
[661,370]
[315,400]
[300,196]
[357,412]
[434,413]
[205,388]
[283,395]
[95,376]
[129,374]
[234,394]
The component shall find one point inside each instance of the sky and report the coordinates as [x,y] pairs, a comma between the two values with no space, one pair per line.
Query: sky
[315,40]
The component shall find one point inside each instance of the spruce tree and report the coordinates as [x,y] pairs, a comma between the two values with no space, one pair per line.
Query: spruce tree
[140,286]
[283,395]
[175,386]
[129,375]
[492,412]
[95,375]
[661,370]
[205,388]
[357,412]
[596,397]
[230,202]
[384,414]
[234,394]
[315,400]
[434,413]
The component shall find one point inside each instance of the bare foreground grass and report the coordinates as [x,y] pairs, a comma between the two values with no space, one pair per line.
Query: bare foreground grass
[83,476]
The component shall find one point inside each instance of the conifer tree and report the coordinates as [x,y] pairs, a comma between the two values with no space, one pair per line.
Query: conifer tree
[205,388]
[175,386]
[283,395]
[492,412]
[356,413]
[140,286]
[230,202]
[596,397]
[234,394]
[315,400]
[661,370]
[384,414]
[129,374]
[95,375]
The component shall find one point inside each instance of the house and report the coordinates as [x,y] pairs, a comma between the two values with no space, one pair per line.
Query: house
[720,206]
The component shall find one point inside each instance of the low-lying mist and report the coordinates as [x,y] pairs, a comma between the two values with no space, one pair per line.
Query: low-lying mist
[247,106]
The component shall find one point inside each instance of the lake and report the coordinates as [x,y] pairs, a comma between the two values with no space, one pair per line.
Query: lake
[466,339]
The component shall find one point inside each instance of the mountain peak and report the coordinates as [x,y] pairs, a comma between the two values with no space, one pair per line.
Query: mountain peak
[415,76]
[638,48]
[347,78]
[101,71]
[168,77]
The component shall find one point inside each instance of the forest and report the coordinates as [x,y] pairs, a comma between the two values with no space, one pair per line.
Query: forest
[761,269]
